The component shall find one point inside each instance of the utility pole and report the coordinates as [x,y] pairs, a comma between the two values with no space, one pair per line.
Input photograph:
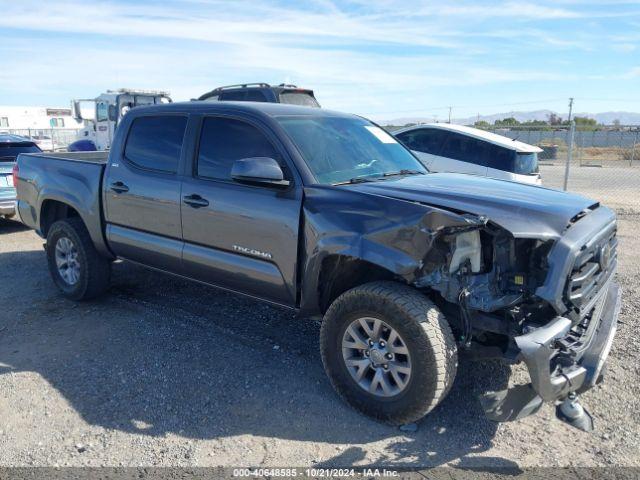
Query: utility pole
[450,114]
[572,132]
[570,108]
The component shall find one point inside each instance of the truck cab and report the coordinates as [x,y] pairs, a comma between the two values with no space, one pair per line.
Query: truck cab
[101,115]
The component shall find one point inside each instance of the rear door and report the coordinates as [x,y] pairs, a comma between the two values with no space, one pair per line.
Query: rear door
[238,236]
[142,192]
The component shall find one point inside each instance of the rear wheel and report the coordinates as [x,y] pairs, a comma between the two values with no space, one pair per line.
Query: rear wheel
[388,351]
[76,267]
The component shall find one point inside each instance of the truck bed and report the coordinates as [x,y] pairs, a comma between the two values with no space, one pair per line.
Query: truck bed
[70,178]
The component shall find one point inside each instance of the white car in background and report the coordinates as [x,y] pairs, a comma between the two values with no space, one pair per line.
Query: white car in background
[45,142]
[445,147]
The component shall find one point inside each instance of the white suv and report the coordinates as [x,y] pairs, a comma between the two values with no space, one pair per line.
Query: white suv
[445,147]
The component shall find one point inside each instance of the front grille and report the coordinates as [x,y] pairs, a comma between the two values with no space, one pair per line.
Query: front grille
[593,267]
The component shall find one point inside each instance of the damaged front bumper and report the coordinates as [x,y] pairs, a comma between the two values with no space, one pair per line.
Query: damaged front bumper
[555,369]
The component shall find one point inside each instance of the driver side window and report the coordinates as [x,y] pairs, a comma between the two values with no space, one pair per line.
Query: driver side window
[102,112]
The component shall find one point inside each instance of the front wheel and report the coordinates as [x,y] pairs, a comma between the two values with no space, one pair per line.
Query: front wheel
[76,267]
[388,351]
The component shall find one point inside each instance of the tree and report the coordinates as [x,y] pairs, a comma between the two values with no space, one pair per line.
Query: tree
[585,121]
[482,124]
[554,119]
[506,122]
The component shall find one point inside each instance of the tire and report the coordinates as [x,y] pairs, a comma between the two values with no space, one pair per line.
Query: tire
[94,270]
[427,336]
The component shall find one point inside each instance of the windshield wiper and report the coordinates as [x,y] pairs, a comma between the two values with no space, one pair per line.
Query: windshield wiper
[355,180]
[403,172]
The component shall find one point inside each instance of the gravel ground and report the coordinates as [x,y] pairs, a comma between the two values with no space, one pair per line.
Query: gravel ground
[166,372]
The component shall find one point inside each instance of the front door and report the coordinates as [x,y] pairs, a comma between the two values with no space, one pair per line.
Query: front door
[238,236]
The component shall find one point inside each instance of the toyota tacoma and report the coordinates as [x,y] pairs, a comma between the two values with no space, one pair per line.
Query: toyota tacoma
[326,214]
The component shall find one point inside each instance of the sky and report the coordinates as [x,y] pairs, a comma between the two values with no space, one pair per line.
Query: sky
[382,59]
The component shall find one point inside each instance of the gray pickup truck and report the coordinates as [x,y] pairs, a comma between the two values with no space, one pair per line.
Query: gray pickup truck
[328,215]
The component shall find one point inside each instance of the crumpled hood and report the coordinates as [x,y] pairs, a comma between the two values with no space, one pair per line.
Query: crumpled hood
[527,211]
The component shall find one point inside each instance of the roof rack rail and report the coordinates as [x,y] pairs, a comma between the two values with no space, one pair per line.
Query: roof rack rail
[242,85]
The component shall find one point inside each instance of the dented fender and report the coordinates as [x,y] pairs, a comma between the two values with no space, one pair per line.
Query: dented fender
[394,234]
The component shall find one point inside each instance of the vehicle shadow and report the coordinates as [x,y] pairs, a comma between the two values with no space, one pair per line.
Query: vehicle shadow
[161,355]
[11,226]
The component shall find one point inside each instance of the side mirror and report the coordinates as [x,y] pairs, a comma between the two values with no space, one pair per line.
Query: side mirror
[75,110]
[258,171]
[113,113]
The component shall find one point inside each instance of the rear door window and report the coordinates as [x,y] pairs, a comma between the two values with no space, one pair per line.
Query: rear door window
[9,152]
[256,96]
[238,95]
[155,142]
[499,157]
[464,148]
[225,140]
[425,140]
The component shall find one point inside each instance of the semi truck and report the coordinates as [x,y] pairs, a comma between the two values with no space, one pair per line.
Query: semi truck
[107,110]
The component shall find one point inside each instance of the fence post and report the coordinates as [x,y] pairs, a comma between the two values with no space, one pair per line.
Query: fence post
[633,149]
[572,131]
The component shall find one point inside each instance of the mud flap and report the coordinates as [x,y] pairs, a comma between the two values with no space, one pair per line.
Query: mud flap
[512,404]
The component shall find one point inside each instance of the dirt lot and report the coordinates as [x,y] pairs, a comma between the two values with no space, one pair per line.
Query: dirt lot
[165,372]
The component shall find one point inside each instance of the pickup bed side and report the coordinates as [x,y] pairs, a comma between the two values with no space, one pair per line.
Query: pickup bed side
[59,185]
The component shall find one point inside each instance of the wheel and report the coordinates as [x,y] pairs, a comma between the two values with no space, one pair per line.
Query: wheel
[76,267]
[388,351]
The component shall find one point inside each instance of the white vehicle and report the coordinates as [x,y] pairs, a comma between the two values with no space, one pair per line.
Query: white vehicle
[445,147]
[45,142]
[106,112]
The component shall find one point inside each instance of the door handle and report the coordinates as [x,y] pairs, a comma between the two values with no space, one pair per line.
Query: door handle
[196,201]
[119,187]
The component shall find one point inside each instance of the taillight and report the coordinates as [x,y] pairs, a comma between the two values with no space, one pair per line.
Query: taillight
[15,172]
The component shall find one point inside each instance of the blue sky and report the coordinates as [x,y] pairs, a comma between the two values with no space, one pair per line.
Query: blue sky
[383,59]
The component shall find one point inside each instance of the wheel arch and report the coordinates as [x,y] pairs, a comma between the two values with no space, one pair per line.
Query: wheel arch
[339,273]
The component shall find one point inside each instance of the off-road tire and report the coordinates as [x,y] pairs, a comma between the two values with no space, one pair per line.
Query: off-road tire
[95,270]
[424,329]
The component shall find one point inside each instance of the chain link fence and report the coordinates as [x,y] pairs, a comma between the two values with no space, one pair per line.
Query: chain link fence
[598,162]
[48,139]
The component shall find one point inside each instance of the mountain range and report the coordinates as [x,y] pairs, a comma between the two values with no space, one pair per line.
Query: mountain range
[605,118]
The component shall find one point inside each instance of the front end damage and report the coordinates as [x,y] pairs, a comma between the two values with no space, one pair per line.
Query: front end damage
[550,303]
[525,278]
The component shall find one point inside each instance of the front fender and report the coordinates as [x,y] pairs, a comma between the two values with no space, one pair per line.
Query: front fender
[395,235]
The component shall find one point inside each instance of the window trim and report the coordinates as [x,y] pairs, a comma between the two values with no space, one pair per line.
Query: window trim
[271,138]
[134,165]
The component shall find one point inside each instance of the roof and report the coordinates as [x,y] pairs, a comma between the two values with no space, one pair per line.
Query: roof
[253,86]
[257,108]
[479,134]
[9,138]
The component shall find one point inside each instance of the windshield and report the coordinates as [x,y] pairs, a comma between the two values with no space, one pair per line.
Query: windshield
[299,98]
[339,150]
[526,163]
[8,153]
